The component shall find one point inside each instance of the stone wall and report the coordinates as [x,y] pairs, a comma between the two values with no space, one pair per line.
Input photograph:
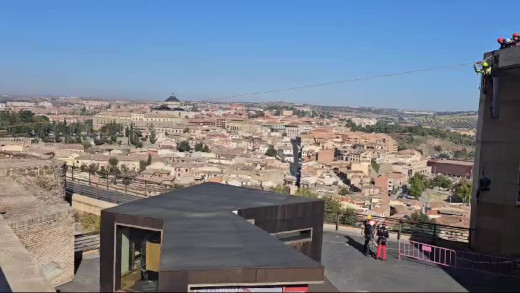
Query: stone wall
[33,198]
[50,241]
[18,267]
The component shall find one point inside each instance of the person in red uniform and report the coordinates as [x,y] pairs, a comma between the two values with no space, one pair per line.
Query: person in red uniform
[382,236]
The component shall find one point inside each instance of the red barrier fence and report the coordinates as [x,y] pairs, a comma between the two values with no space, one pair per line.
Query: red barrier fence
[428,253]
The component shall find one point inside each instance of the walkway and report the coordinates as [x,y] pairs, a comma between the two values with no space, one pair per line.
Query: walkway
[349,270]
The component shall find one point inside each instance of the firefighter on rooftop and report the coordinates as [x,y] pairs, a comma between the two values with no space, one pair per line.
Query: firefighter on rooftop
[482,67]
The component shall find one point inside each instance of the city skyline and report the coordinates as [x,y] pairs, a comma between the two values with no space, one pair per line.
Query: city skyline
[205,51]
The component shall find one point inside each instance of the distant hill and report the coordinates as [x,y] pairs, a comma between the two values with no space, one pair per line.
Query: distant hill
[172,98]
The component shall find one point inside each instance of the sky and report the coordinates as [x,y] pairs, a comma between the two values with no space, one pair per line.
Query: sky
[217,48]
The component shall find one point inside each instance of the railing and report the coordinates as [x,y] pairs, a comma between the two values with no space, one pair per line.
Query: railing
[99,193]
[426,232]
[86,242]
[428,253]
[459,259]
[488,263]
[134,186]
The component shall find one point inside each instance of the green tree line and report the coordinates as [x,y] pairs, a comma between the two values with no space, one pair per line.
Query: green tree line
[394,128]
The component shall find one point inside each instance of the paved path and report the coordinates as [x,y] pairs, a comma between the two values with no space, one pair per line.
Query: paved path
[86,278]
[349,270]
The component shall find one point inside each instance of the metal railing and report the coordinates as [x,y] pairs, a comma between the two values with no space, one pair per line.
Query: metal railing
[134,186]
[99,193]
[86,242]
[425,232]
[459,259]
[428,253]
[487,263]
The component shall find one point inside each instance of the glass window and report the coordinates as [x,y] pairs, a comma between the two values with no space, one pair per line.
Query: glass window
[140,257]
[297,235]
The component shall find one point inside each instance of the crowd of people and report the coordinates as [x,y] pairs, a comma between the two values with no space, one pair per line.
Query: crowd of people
[370,230]
[513,42]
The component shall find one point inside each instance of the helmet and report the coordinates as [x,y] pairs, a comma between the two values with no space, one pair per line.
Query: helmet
[384,224]
[516,35]
[500,40]
[369,217]
[485,64]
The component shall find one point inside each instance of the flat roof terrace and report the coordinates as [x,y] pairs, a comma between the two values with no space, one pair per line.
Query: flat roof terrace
[201,230]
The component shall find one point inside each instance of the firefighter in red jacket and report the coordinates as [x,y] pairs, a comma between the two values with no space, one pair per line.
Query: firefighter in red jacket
[382,236]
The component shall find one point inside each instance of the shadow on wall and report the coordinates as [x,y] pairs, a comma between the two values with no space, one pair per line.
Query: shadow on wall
[4,285]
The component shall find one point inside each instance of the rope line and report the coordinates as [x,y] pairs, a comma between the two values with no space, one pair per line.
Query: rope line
[342,81]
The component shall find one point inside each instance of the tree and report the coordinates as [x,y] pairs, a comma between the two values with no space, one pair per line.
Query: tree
[126,176]
[186,130]
[421,218]
[134,135]
[332,208]
[438,148]
[184,146]
[103,172]
[375,165]
[149,160]
[281,189]
[126,181]
[153,137]
[344,191]
[462,191]
[441,181]
[142,165]
[417,184]
[92,168]
[113,161]
[205,149]
[83,167]
[199,146]
[349,217]
[271,152]
[305,192]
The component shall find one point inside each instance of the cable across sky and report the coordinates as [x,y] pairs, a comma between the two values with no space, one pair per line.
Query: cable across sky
[460,65]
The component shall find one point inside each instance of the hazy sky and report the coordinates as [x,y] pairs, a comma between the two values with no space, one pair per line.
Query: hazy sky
[210,49]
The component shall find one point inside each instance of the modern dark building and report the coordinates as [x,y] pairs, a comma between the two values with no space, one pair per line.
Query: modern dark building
[212,236]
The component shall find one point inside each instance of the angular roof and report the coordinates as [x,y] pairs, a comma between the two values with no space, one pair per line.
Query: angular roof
[201,231]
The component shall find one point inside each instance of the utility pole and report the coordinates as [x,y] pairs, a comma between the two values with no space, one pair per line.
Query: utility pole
[296,166]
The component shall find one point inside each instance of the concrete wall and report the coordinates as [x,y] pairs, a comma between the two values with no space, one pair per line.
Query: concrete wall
[495,214]
[89,205]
